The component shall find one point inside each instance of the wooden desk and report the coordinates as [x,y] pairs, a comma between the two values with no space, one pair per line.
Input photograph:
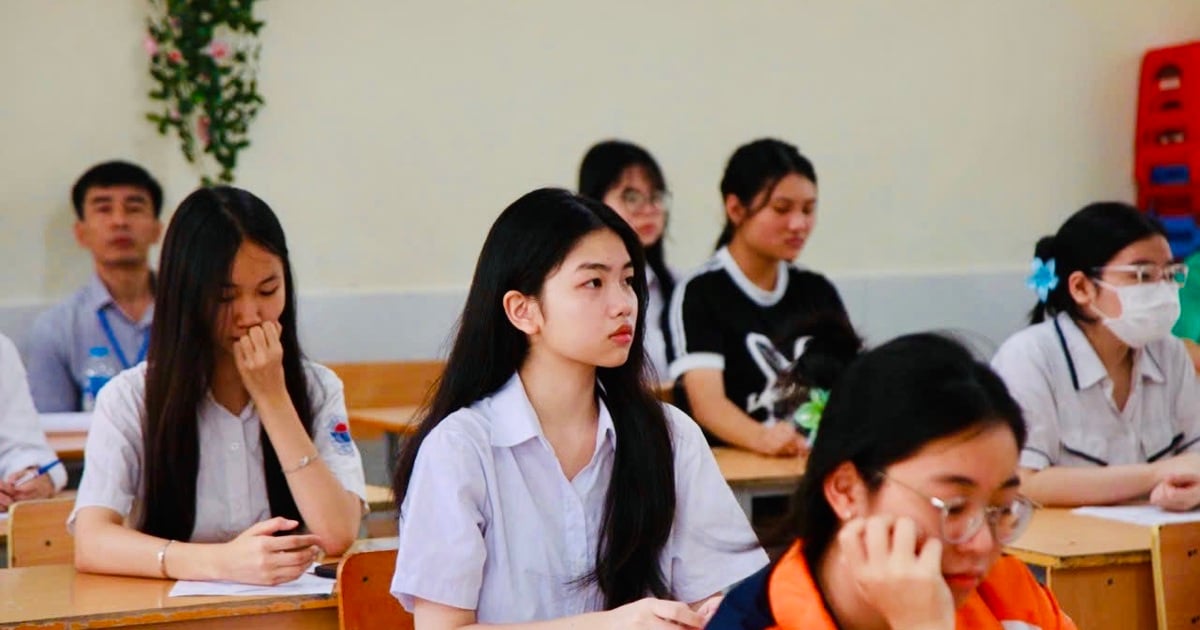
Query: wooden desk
[68,446]
[56,596]
[752,475]
[379,498]
[1097,568]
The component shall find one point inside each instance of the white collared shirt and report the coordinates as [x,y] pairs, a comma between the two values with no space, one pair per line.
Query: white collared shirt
[231,487]
[22,441]
[1070,427]
[491,524]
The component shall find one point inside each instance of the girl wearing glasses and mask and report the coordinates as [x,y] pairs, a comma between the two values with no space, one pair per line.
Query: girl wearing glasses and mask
[1110,397]
[627,179]
[910,492]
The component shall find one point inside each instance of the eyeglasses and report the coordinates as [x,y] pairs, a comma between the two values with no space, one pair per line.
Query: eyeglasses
[1149,272]
[961,521]
[637,201]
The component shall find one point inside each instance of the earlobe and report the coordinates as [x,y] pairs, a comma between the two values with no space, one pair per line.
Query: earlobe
[522,312]
[846,492]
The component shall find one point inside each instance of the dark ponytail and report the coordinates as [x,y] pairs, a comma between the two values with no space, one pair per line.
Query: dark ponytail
[756,168]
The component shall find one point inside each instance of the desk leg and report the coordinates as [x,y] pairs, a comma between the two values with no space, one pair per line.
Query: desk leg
[1116,597]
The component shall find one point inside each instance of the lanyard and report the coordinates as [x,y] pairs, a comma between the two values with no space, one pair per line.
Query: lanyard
[1062,341]
[112,340]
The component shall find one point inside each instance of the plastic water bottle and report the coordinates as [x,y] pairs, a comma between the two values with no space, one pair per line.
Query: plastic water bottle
[96,371]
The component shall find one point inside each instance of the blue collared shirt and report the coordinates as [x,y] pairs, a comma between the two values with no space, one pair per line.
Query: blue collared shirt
[59,341]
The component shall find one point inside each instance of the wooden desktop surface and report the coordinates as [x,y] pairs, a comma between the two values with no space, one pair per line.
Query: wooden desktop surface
[744,468]
[57,596]
[1099,569]
[1059,538]
[68,445]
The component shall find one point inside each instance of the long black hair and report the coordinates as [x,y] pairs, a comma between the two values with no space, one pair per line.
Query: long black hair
[1085,242]
[527,243]
[889,403]
[599,172]
[197,256]
[757,167]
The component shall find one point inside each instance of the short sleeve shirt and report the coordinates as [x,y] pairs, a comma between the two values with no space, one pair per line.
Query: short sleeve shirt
[1073,421]
[721,320]
[231,487]
[491,524]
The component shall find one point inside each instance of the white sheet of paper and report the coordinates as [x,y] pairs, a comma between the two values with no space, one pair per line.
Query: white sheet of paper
[1139,514]
[71,422]
[306,584]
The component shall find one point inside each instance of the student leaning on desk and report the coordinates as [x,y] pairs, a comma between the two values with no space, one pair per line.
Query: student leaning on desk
[910,493]
[226,455]
[23,447]
[1111,398]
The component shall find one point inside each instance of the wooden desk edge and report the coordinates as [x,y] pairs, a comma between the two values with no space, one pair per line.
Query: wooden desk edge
[241,607]
[1050,561]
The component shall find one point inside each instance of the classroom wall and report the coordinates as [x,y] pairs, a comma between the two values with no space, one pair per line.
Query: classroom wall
[947,135]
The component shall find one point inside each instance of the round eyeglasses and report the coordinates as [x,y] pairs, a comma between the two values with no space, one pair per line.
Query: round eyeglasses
[961,520]
[637,201]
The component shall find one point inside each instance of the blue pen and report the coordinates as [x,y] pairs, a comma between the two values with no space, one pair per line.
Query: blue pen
[34,474]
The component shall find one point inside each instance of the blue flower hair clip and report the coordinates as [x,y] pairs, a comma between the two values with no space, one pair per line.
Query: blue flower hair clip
[1043,278]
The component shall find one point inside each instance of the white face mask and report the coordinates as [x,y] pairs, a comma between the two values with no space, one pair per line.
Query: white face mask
[1148,311]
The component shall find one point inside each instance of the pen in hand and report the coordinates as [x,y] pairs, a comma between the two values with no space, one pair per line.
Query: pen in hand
[34,474]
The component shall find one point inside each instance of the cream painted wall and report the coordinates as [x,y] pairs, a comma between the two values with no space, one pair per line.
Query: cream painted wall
[947,134]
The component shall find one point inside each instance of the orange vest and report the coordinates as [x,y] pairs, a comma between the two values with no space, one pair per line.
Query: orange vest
[1008,595]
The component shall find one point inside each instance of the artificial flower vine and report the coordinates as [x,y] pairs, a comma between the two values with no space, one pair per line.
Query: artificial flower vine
[204,59]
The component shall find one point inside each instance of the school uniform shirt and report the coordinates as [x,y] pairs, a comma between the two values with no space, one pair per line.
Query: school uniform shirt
[491,524]
[720,320]
[1066,396]
[61,337]
[22,442]
[655,341]
[231,487]
[786,597]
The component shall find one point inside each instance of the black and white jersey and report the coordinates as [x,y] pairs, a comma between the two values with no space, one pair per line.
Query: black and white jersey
[720,320]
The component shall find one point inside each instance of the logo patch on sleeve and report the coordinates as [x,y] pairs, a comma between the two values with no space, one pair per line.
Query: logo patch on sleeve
[339,430]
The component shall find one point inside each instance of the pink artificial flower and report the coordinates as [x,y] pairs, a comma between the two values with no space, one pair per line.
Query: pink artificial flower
[150,45]
[175,56]
[217,49]
[202,123]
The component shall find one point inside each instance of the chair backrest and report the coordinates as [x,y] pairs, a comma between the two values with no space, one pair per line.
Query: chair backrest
[1175,553]
[387,384]
[37,532]
[364,596]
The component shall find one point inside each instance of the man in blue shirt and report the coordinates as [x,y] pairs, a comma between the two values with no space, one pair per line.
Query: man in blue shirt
[117,207]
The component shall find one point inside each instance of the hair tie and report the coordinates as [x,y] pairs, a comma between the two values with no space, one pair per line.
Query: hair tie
[1043,278]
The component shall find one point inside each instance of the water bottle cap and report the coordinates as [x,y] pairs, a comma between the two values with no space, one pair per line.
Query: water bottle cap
[98,351]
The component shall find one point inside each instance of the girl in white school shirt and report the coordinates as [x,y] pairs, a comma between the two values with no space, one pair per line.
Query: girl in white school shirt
[546,485]
[1110,397]
[627,178]
[226,455]
[735,321]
